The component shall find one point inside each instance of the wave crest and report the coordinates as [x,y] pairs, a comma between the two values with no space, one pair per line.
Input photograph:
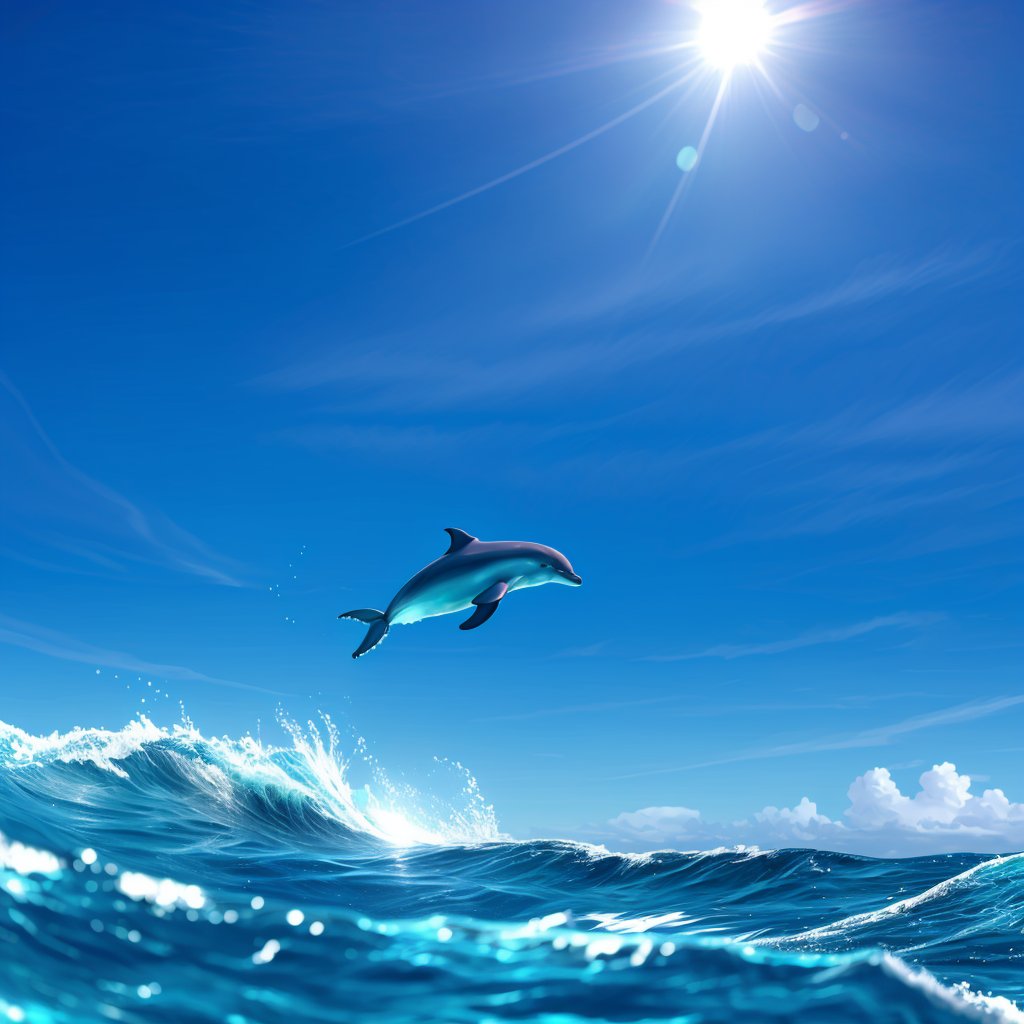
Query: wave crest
[305,790]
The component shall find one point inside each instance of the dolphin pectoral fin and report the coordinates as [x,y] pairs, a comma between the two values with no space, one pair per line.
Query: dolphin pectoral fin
[486,605]
[480,616]
[459,539]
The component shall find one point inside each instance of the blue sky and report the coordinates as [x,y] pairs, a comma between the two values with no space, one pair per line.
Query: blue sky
[776,425]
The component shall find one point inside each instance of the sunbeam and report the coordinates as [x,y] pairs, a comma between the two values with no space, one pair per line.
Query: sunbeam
[730,34]
[518,172]
[692,166]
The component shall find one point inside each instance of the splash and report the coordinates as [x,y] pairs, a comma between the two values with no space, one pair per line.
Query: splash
[233,780]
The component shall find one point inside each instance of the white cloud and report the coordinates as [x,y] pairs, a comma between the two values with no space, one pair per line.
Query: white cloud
[657,824]
[943,816]
[944,803]
[803,815]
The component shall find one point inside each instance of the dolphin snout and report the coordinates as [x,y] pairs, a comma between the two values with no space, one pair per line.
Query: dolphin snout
[574,579]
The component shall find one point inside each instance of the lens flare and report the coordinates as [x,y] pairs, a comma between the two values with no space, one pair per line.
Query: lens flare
[733,32]
[686,159]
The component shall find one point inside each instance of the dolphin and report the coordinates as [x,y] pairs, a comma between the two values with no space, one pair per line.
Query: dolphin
[471,572]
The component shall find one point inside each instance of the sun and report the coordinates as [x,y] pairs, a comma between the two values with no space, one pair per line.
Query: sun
[733,32]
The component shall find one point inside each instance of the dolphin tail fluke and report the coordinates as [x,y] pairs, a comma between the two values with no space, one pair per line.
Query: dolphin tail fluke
[377,631]
[366,615]
[378,628]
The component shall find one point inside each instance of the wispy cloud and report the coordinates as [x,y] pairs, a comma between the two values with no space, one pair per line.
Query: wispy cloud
[879,280]
[938,460]
[812,638]
[55,505]
[877,736]
[951,447]
[31,637]
[863,462]
[978,409]
[470,374]
[965,410]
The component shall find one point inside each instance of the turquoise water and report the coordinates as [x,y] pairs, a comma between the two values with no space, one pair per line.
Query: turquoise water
[152,875]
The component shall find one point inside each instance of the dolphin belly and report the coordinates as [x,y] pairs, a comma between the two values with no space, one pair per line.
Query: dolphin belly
[427,607]
[440,595]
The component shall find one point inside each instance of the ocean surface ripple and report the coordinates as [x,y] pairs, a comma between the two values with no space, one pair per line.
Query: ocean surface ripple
[150,874]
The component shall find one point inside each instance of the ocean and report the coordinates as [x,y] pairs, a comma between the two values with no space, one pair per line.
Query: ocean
[153,874]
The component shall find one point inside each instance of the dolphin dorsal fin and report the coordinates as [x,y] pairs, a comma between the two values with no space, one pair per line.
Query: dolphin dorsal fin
[459,539]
